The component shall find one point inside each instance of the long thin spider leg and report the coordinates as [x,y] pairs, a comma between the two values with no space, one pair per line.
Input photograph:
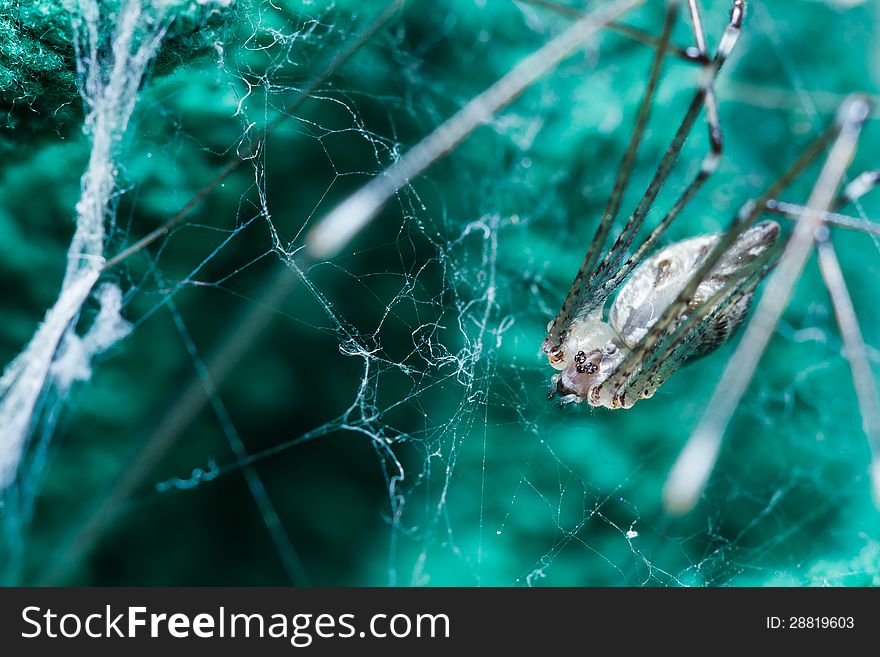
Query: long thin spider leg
[571,303]
[797,212]
[697,25]
[743,220]
[696,461]
[856,353]
[861,185]
[623,173]
[715,135]
[348,218]
[613,261]
[687,54]
[728,40]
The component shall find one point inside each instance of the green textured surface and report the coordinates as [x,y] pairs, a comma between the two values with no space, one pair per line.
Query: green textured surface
[501,487]
[37,65]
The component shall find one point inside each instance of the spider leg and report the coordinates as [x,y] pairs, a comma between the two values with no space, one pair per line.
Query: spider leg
[613,270]
[856,353]
[744,219]
[861,185]
[715,135]
[688,54]
[560,324]
[696,461]
[797,212]
[592,285]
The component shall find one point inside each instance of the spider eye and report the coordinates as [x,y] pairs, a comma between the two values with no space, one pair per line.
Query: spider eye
[586,368]
[581,364]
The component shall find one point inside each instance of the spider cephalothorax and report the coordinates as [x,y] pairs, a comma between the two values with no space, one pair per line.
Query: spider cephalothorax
[589,354]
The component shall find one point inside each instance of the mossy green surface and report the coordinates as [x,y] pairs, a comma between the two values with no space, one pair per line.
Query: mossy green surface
[422,339]
[37,65]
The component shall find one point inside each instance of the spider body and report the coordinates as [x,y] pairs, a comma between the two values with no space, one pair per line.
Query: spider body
[688,298]
[594,349]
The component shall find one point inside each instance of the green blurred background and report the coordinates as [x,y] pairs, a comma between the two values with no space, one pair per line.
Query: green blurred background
[394,408]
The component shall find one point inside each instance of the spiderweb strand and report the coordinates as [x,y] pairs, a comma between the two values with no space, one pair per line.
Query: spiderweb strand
[284,547]
[222,361]
[233,165]
[696,461]
[109,79]
[337,228]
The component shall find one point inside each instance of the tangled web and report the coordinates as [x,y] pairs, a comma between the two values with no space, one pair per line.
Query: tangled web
[381,417]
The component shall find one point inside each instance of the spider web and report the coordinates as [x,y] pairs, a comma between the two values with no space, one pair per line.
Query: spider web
[382,418]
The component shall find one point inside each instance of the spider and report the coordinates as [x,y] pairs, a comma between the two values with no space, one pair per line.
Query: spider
[594,349]
[604,362]
[690,297]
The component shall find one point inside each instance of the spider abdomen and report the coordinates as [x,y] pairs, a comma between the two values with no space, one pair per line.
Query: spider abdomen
[656,283]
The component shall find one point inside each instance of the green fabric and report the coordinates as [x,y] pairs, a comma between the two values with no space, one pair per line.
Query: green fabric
[422,339]
[37,67]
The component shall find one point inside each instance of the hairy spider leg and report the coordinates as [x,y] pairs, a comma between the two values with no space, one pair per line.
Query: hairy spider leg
[572,306]
[592,287]
[613,264]
[573,300]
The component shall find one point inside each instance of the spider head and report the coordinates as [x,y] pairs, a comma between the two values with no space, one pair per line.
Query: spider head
[581,373]
[589,355]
